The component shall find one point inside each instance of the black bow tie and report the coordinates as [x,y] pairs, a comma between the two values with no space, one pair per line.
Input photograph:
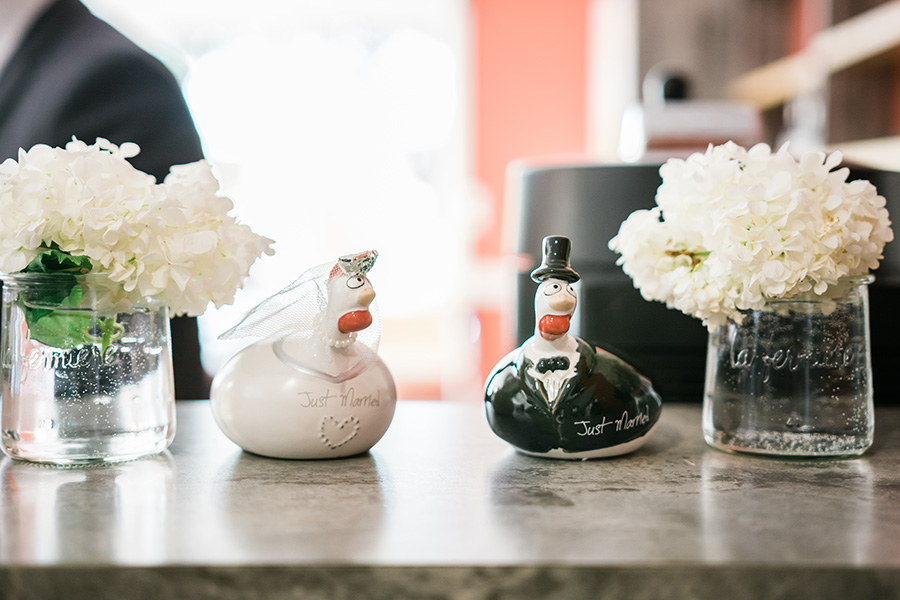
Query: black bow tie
[557,363]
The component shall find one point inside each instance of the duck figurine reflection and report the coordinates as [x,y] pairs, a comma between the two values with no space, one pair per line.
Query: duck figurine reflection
[558,396]
[312,385]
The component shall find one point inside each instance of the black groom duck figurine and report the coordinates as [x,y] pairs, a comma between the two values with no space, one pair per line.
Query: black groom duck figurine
[558,396]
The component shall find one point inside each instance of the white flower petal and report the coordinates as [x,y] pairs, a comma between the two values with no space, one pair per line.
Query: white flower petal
[733,226]
[153,238]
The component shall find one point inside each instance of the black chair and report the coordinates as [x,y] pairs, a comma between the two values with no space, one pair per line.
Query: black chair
[587,203]
[884,293]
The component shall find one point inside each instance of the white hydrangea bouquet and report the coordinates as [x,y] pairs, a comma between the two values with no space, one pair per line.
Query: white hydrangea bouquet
[84,209]
[734,227]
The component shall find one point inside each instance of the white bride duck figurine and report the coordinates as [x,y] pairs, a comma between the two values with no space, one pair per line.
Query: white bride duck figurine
[558,396]
[312,386]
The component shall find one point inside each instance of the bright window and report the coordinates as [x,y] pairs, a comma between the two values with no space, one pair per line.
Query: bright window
[336,127]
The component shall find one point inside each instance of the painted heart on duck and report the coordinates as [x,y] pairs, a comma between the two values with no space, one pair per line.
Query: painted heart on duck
[336,433]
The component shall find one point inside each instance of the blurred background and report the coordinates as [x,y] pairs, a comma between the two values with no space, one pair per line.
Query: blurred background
[401,125]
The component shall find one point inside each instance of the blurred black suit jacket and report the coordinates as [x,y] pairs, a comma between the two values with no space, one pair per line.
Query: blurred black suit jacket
[74,75]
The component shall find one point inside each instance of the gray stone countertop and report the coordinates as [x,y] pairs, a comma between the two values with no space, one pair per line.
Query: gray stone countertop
[441,508]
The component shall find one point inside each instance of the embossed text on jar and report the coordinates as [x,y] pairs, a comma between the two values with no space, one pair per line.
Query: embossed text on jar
[795,378]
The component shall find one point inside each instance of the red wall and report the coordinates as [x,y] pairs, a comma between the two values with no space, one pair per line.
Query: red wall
[530,68]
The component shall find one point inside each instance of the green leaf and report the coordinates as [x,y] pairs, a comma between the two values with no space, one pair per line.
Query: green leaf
[62,329]
[54,260]
[58,328]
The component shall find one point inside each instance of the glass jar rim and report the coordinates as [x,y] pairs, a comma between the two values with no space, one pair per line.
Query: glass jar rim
[843,285]
[864,279]
[99,282]
[51,277]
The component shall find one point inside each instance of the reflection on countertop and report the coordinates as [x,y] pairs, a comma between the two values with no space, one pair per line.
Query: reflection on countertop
[441,507]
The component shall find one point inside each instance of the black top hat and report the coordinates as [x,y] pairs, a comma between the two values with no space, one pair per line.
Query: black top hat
[556,260]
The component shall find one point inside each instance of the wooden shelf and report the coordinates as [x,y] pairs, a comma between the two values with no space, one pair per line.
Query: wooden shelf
[880,153]
[855,40]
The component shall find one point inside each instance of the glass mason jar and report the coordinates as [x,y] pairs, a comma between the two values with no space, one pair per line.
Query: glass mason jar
[85,377]
[794,379]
